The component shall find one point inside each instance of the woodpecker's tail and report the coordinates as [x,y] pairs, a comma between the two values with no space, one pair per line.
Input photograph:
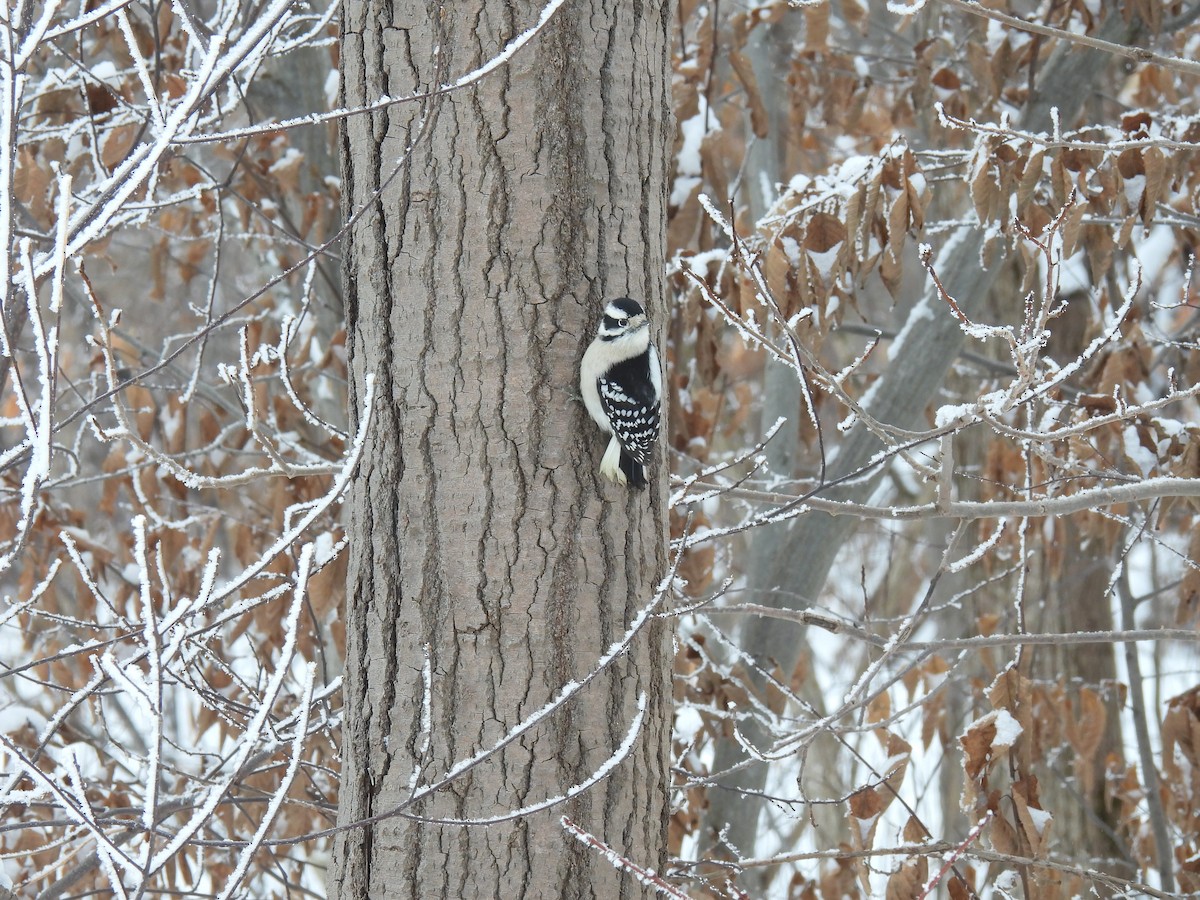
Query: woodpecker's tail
[635,473]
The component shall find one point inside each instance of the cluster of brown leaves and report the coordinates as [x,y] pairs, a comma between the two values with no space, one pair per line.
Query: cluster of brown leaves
[218,223]
[870,166]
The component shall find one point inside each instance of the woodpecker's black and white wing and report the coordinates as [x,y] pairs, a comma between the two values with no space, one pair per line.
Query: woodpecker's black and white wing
[629,395]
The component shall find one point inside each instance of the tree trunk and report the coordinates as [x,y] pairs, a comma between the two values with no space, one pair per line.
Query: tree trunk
[480,532]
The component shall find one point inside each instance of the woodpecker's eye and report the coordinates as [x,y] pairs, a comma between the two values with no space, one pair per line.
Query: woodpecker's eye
[622,322]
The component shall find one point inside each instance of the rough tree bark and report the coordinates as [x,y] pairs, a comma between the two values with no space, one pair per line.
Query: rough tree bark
[479,528]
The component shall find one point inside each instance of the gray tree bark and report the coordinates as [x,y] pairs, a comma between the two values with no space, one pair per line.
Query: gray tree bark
[479,527]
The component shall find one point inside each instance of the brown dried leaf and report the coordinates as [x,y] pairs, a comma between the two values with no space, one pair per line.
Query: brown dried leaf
[853,210]
[31,184]
[976,743]
[879,709]
[1085,732]
[983,192]
[898,219]
[891,272]
[946,79]
[866,803]
[1126,231]
[933,718]
[1098,242]
[816,27]
[1003,835]
[824,232]
[908,882]
[1072,227]
[1181,733]
[855,14]
[916,204]
[1031,175]
[914,831]
[1189,588]
[1156,182]
[776,268]
[1136,125]
[116,144]
[1130,163]
[759,120]
[980,61]
[100,99]
[957,889]
[839,880]
[1034,821]
[286,172]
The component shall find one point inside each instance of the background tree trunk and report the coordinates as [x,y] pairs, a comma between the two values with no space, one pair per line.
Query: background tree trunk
[479,528]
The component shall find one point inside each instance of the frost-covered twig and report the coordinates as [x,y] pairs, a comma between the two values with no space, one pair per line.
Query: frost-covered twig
[477,74]
[646,877]
[600,773]
[1135,53]
[1088,498]
[280,794]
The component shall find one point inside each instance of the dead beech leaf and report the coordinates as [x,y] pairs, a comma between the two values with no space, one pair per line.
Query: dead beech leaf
[1098,241]
[824,232]
[839,880]
[891,271]
[1155,165]
[898,220]
[1008,690]
[914,831]
[1126,231]
[983,192]
[286,172]
[1130,163]
[933,719]
[866,811]
[1189,588]
[916,204]
[908,882]
[1071,228]
[976,743]
[853,210]
[946,79]
[816,27]
[31,184]
[1001,832]
[776,269]
[759,120]
[979,59]
[1181,748]
[115,145]
[956,887]
[1136,125]
[880,708]
[1030,176]
[1085,733]
[1034,821]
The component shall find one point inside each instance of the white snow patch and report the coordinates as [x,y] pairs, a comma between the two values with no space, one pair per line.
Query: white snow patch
[1040,818]
[688,723]
[333,84]
[1141,457]
[1008,729]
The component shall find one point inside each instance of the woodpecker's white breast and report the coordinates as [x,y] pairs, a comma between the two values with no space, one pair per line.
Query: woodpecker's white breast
[599,358]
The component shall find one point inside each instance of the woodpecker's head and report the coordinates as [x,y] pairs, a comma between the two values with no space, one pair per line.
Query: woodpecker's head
[624,321]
